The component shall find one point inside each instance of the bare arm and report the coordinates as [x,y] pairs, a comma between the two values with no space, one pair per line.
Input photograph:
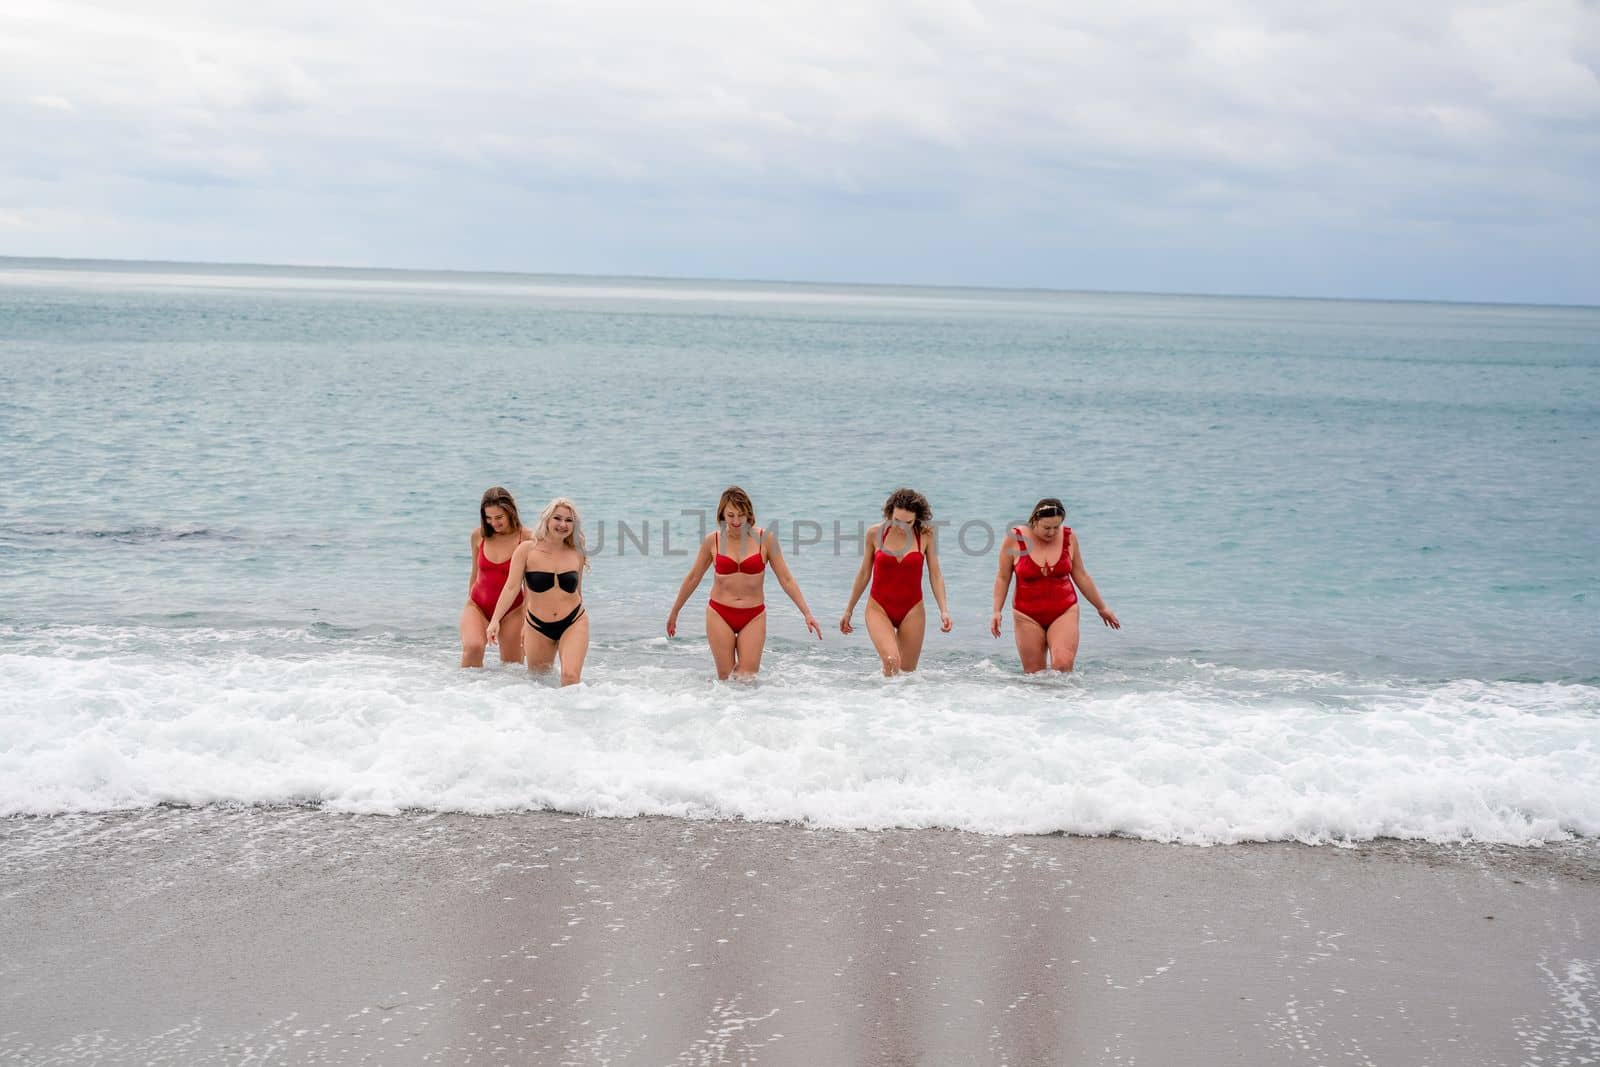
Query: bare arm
[691,582]
[472,582]
[1080,577]
[1002,583]
[780,568]
[508,592]
[863,575]
[930,552]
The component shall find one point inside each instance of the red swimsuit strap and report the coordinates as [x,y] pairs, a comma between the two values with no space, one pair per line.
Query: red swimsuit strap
[761,562]
[915,546]
[483,555]
[1026,553]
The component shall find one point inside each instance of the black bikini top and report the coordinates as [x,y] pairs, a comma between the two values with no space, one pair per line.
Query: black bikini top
[541,581]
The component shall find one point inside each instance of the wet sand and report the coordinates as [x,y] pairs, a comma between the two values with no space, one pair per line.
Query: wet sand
[298,936]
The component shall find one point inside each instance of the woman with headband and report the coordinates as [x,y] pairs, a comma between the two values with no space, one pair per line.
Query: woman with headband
[1046,560]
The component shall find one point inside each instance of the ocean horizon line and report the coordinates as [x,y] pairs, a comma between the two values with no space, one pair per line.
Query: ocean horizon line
[92,262]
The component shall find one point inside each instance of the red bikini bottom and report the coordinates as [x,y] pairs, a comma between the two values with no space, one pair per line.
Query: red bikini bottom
[737,618]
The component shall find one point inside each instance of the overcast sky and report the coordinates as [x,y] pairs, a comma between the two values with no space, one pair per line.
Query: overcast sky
[1412,149]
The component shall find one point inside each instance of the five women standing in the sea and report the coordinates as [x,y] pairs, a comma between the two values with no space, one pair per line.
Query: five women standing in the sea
[1046,559]
[499,533]
[893,559]
[739,552]
[1043,555]
[551,565]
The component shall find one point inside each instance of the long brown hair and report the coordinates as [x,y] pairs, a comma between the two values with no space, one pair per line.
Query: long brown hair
[497,497]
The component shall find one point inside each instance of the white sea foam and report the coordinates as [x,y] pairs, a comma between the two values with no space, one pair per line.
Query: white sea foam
[1174,751]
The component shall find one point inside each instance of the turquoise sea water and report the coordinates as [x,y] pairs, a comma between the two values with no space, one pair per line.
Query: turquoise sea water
[1313,510]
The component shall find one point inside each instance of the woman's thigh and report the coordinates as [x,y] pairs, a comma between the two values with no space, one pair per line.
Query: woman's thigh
[1031,643]
[1063,640]
[751,640]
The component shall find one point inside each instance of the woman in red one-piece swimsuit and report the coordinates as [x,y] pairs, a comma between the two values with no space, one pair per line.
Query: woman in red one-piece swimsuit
[893,559]
[498,534]
[1047,560]
[736,617]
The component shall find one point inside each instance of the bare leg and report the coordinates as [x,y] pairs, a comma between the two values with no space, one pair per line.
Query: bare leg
[719,635]
[511,627]
[539,651]
[1063,640]
[909,637]
[1030,642]
[752,639]
[474,635]
[881,630]
[574,647]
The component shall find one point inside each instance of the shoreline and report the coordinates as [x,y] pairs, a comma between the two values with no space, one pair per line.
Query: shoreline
[298,935]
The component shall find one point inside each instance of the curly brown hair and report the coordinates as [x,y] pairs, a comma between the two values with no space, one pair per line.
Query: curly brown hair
[912,501]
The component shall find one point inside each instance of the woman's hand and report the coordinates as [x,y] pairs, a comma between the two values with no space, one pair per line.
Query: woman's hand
[1109,617]
[844,624]
[944,622]
[494,632]
[813,625]
[672,625]
[994,624]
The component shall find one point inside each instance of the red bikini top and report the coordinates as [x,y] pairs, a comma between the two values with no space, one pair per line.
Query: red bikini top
[1029,570]
[751,564]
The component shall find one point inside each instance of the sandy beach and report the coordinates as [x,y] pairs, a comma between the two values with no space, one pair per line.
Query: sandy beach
[299,936]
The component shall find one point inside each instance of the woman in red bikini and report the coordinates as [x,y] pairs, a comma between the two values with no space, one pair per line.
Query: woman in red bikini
[736,619]
[498,534]
[1046,560]
[551,565]
[893,559]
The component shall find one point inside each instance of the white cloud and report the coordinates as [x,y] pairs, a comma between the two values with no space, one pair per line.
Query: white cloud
[1117,118]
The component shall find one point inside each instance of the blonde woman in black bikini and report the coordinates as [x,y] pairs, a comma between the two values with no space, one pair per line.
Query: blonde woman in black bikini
[551,567]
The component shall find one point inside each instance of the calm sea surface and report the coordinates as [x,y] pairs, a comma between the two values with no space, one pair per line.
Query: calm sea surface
[1353,546]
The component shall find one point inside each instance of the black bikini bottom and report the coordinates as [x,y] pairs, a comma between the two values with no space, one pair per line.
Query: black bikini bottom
[554,630]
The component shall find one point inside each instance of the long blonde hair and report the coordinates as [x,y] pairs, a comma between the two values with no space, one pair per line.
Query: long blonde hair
[575,539]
